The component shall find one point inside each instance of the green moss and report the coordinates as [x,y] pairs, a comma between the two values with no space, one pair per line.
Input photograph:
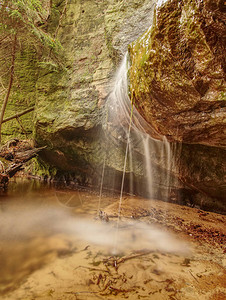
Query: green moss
[177,49]
[222,96]
[29,66]
[40,168]
[22,95]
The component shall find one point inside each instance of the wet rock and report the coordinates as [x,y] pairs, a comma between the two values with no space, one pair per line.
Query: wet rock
[202,168]
[177,83]
[177,75]
[70,107]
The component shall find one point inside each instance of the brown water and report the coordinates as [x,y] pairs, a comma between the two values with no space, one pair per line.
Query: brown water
[52,246]
[36,225]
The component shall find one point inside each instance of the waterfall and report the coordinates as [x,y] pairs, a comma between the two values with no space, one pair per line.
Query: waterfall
[126,128]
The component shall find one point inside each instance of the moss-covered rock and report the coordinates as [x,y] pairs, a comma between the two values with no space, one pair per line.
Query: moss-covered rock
[124,23]
[177,75]
[70,104]
[177,83]
[22,95]
[70,96]
[28,46]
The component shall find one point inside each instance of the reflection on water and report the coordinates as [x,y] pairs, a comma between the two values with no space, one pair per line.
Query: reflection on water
[33,229]
[39,223]
[24,191]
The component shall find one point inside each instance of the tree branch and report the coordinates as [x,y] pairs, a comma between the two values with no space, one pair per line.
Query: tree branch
[18,115]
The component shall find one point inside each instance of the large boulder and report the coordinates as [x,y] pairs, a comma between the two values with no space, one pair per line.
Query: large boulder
[177,74]
[177,83]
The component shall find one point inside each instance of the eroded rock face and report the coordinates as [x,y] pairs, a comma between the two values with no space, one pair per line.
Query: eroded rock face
[177,82]
[177,75]
[70,106]
[202,169]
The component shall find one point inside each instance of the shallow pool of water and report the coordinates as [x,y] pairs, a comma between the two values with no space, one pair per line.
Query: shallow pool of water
[54,246]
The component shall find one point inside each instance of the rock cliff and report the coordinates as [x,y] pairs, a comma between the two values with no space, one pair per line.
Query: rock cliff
[177,75]
[70,105]
[176,81]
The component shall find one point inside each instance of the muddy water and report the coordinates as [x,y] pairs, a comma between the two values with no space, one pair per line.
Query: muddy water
[36,226]
[52,246]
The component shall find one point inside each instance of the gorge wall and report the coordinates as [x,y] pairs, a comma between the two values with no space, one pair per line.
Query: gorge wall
[176,82]
[70,106]
[177,76]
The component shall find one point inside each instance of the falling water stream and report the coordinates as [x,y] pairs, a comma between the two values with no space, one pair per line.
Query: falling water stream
[131,129]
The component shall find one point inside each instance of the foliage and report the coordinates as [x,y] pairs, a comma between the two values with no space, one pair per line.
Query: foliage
[27,19]
[24,29]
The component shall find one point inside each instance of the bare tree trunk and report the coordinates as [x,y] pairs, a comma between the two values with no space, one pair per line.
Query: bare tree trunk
[9,86]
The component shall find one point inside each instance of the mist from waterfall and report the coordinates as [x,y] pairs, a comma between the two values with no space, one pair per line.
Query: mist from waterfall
[128,130]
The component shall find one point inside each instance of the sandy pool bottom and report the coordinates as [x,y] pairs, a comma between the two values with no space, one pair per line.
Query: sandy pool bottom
[57,266]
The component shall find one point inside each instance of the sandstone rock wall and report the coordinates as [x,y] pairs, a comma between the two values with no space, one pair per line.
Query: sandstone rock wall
[177,77]
[70,104]
[177,83]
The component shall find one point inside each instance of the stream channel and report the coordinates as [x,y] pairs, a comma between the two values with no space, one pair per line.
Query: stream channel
[54,245]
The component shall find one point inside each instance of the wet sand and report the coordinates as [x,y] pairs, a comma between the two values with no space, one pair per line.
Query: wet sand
[58,265]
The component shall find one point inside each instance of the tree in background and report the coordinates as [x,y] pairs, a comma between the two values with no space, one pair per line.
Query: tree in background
[22,22]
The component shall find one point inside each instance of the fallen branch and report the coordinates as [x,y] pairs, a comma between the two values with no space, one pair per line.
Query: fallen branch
[13,169]
[93,269]
[82,292]
[19,114]
[193,275]
[125,258]
[115,262]
[117,291]
[24,156]
[18,152]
